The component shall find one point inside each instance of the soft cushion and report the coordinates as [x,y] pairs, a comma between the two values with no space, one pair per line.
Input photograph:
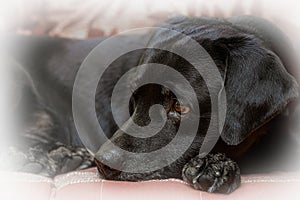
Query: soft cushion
[88,185]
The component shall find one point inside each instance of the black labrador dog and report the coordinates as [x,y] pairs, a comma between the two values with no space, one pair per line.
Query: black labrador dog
[260,78]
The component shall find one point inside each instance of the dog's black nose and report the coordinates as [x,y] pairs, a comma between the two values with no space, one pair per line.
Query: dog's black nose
[109,162]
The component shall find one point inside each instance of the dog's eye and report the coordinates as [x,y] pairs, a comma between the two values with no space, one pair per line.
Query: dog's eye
[181,108]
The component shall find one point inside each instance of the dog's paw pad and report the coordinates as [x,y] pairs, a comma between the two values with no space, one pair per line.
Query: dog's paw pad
[213,173]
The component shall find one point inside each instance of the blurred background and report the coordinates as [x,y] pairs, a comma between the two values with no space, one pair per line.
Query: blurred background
[92,18]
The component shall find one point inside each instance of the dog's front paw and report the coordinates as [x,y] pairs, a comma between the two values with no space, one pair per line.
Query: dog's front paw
[68,158]
[213,173]
[47,162]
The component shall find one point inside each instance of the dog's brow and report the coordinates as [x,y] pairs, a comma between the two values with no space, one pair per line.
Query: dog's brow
[186,96]
[165,91]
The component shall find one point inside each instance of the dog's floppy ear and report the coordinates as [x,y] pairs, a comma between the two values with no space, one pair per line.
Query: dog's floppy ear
[257,86]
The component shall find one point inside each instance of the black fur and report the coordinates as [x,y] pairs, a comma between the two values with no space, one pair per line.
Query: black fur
[258,86]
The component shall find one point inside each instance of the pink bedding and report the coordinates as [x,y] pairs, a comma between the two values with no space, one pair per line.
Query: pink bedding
[86,185]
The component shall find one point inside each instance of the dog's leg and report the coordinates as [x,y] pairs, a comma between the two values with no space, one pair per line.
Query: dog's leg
[38,142]
[213,173]
[59,159]
[37,151]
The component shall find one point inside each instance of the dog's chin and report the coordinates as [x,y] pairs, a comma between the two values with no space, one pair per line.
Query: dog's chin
[172,171]
[135,177]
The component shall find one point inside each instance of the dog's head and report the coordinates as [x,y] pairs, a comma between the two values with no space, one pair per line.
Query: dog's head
[257,86]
